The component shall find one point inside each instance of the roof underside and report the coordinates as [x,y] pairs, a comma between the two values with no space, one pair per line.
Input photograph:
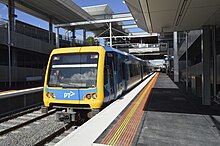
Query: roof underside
[98,10]
[66,11]
[104,12]
[174,15]
[61,11]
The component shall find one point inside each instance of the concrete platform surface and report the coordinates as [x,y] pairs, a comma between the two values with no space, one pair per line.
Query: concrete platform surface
[172,119]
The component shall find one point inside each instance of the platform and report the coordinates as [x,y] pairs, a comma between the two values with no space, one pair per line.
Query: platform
[13,101]
[171,118]
[161,114]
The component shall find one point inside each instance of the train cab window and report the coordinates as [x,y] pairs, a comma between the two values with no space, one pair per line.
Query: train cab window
[87,58]
[74,73]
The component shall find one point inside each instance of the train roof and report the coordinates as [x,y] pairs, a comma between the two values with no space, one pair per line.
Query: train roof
[108,49]
[115,50]
[121,52]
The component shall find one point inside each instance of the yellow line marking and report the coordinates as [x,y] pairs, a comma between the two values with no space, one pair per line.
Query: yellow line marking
[118,133]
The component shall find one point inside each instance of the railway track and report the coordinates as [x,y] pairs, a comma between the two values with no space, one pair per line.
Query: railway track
[23,120]
[58,135]
[17,114]
[33,128]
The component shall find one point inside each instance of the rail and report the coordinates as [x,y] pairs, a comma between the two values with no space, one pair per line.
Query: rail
[86,134]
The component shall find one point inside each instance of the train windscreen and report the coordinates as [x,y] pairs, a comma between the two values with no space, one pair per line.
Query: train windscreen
[73,70]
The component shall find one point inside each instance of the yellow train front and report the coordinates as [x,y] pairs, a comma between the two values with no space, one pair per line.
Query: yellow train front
[80,80]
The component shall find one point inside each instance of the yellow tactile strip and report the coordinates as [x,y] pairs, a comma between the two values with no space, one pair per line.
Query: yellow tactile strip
[124,131]
[7,91]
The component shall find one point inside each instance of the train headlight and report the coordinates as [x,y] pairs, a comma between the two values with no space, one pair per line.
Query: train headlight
[50,95]
[88,96]
[94,95]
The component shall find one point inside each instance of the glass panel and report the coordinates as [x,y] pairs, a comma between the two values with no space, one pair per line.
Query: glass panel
[74,70]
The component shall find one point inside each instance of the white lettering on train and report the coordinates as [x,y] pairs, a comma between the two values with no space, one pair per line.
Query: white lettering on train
[68,95]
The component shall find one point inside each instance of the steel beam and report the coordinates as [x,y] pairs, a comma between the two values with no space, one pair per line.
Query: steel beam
[9,54]
[94,22]
[50,31]
[121,15]
[187,46]
[206,44]
[214,62]
[57,38]
[84,35]
[176,58]
[11,27]
[11,14]
[110,33]
[129,26]
[144,33]
[73,37]
[128,36]
[146,54]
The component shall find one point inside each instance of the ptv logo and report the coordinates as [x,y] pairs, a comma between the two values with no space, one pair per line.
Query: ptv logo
[68,95]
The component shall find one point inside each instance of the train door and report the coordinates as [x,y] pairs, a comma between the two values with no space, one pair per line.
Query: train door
[142,71]
[120,75]
[127,73]
[110,77]
[124,76]
[107,85]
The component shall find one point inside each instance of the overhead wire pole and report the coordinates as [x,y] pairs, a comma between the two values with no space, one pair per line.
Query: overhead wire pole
[57,38]
[128,18]
[11,27]
[110,33]
[214,61]
[9,54]
[186,61]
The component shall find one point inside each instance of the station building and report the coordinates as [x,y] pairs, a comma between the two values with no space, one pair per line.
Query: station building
[29,45]
[187,37]
[195,41]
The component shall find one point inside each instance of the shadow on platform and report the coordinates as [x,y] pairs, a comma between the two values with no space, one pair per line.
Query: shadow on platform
[174,117]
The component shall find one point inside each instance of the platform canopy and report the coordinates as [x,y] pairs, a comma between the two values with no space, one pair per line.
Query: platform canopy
[61,11]
[66,11]
[174,15]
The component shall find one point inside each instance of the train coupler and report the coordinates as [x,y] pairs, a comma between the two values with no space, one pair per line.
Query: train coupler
[66,116]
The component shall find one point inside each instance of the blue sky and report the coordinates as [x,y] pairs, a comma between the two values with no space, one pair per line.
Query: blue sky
[116,5]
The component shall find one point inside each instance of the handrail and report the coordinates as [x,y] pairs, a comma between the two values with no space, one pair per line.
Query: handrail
[20,92]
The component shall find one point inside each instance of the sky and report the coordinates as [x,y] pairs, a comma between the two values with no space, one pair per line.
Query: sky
[116,5]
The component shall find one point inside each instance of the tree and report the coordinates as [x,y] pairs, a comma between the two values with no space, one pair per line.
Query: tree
[90,40]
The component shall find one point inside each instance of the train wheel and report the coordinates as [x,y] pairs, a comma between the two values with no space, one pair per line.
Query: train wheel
[92,113]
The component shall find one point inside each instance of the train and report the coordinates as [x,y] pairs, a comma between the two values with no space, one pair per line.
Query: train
[79,81]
